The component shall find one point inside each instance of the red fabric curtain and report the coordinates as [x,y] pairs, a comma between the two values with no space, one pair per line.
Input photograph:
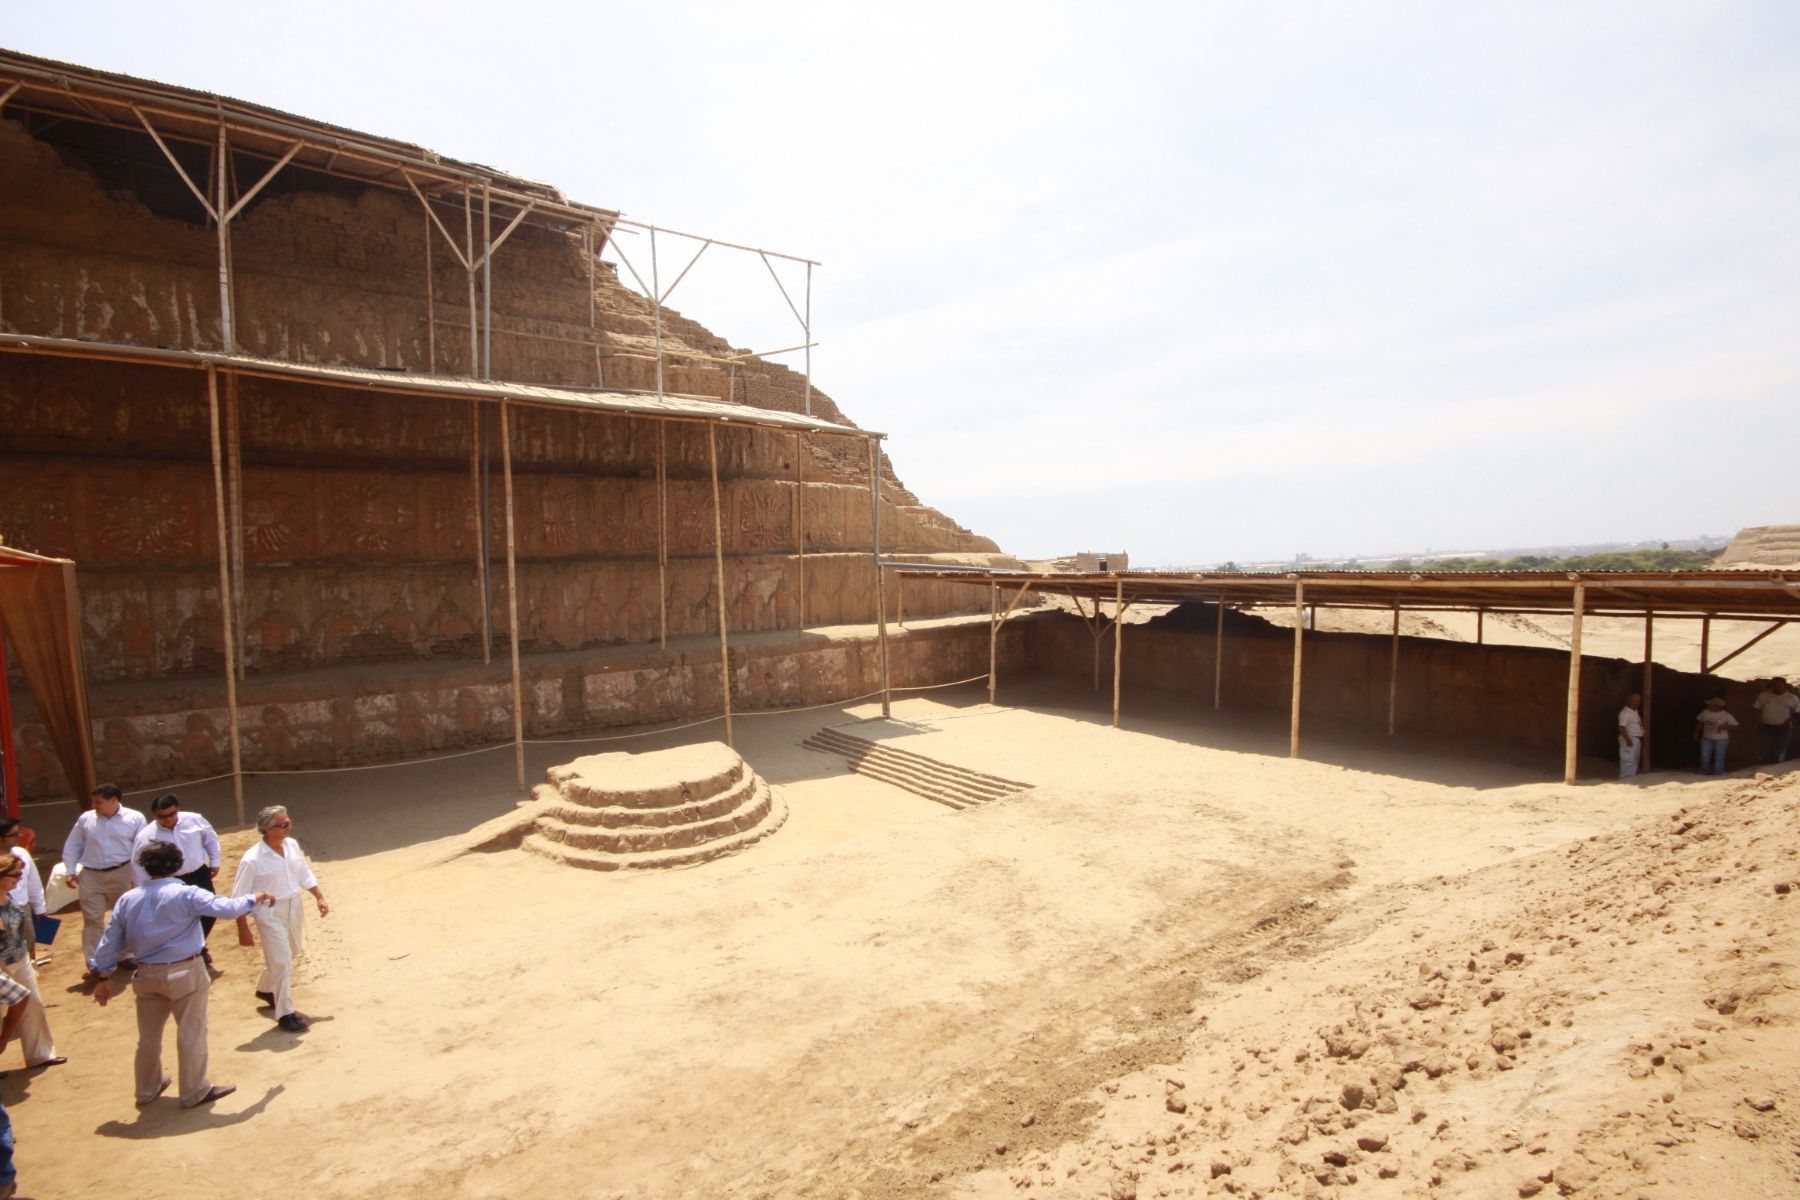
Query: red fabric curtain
[39,611]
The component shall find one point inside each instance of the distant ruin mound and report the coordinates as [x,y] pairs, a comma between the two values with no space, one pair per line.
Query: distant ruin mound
[1776,546]
[662,808]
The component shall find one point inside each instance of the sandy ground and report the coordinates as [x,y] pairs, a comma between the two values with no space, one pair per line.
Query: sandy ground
[1178,966]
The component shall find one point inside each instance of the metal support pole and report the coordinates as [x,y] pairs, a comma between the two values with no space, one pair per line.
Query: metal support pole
[800,524]
[880,580]
[230,640]
[1118,645]
[227,335]
[712,451]
[662,535]
[234,477]
[9,764]
[806,404]
[994,638]
[1574,718]
[430,304]
[487,284]
[1394,674]
[1649,679]
[512,596]
[1299,644]
[477,486]
[1219,655]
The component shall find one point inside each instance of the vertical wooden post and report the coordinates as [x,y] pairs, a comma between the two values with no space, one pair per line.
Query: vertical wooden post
[469,269]
[712,452]
[1394,674]
[662,534]
[880,580]
[1705,641]
[512,596]
[1299,642]
[1574,718]
[234,478]
[9,762]
[1118,645]
[900,598]
[593,256]
[230,642]
[1480,632]
[800,526]
[1649,679]
[994,638]
[1219,655]
[227,332]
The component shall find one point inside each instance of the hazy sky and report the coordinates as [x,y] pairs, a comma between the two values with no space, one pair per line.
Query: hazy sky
[1196,280]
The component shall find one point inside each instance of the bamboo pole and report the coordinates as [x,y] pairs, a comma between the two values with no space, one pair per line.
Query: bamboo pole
[474,371]
[1480,631]
[1299,643]
[1394,674]
[656,299]
[712,451]
[234,477]
[1573,725]
[1705,640]
[1649,679]
[1711,667]
[593,256]
[662,533]
[9,759]
[880,580]
[231,701]
[1118,645]
[512,598]
[222,217]
[994,638]
[487,281]
[1219,655]
[900,598]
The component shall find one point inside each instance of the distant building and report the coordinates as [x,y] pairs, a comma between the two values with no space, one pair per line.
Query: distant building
[1089,562]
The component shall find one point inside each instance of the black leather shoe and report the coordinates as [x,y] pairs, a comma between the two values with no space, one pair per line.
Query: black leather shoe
[293,1023]
[266,997]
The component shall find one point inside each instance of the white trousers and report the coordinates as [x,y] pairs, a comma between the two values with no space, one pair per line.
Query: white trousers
[282,930]
[1628,757]
[34,1027]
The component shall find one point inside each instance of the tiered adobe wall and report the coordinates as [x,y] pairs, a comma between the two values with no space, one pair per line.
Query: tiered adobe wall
[360,511]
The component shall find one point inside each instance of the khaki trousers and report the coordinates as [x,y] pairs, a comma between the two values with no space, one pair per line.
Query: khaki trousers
[179,989]
[34,1027]
[282,927]
[100,890]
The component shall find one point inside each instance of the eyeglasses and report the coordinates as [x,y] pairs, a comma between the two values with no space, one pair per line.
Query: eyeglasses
[282,825]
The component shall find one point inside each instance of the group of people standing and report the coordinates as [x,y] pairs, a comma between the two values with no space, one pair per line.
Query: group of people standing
[1776,707]
[148,904]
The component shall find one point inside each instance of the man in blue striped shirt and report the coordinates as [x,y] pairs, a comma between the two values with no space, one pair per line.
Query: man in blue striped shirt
[158,924]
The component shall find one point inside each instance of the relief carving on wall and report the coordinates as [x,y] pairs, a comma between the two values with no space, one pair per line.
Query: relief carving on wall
[146,516]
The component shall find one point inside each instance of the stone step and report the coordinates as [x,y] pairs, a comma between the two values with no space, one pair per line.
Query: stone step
[956,787]
[641,839]
[849,744]
[630,787]
[603,860]
[620,816]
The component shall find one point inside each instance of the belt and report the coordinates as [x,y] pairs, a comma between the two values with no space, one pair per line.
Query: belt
[114,867]
[190,958]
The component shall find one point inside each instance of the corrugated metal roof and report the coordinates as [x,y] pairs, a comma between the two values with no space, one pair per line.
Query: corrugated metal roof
[1766,594]
[668,407]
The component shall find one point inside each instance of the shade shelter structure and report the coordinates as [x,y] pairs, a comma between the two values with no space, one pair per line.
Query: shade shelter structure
[1769,597]
[40,615]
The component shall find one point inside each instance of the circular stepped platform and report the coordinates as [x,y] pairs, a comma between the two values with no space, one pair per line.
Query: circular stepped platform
[662,808]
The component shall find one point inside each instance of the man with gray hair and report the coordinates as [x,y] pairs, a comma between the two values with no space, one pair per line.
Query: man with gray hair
[278,866]
[158,924]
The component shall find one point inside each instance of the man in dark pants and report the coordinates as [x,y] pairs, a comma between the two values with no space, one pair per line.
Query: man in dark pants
[193,835]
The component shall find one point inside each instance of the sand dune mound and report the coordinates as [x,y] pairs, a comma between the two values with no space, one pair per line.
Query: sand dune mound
[1776,546]
[663,808]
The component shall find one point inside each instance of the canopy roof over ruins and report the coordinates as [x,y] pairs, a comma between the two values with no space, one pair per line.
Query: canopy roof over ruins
[1763,595]
[638,404]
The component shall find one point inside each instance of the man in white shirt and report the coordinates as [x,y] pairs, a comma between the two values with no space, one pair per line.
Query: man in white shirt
[1631,736]
[1777,706]
[278,866]
[193,835]
[99,847]
[1712,729]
